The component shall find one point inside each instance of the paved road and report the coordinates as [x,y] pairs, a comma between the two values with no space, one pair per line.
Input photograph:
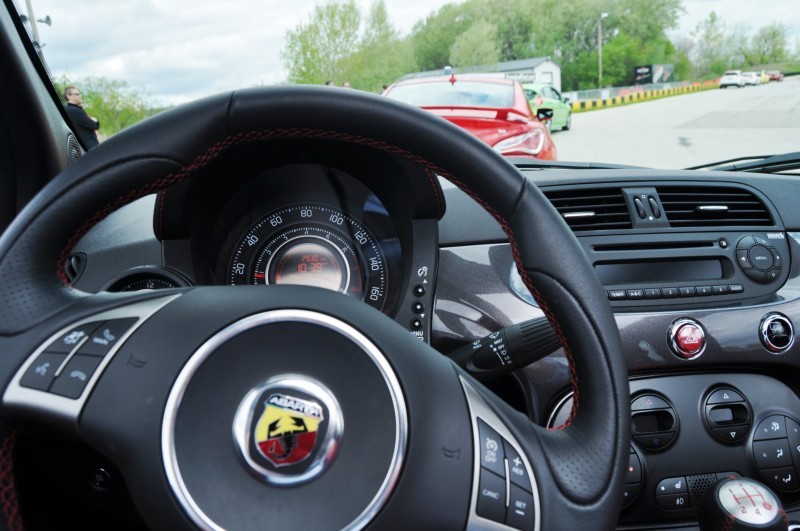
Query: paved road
[683,131]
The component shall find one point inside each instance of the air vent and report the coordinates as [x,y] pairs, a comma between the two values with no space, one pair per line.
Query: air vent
[591,208]
[74,267]
[713,206]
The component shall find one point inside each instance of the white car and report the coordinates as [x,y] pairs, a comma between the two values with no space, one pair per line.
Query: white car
[751,78]
[731,78]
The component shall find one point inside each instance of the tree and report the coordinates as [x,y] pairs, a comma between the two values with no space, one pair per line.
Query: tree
[433,37]
[476,46]
[770,44]
[314,52]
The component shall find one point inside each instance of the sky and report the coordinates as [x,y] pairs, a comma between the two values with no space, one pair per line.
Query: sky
[180,50]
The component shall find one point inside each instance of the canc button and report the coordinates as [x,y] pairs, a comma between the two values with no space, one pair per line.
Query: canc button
[687,338]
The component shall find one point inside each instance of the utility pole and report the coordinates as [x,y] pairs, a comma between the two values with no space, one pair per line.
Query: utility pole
[600,50]
[32,20]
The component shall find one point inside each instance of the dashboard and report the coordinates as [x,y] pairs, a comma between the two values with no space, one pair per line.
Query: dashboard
[702,276]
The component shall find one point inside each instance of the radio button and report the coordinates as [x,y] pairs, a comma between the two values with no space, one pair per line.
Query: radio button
[635,294]
[735,289]
[652,293]
[686,291]
[743,259]
[703,291]
[746,242]
[719,290]
[669,293]
[617,295]
[758,276]
[761,258]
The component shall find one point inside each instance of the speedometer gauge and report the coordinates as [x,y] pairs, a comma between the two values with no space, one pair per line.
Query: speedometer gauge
[312,245]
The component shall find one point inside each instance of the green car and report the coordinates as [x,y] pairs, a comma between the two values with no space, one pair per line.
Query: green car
[547,97]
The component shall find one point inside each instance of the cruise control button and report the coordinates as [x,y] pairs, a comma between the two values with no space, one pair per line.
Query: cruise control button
[72,338]
[73,378]
[492,497]
[102,340]
[516,468]
[772,427]
[492,453]
[41,373]
[520,514]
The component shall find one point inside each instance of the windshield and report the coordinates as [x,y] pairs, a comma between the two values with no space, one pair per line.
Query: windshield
[656,83]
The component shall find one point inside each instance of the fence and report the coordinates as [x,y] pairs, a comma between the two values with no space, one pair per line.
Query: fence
[584,100]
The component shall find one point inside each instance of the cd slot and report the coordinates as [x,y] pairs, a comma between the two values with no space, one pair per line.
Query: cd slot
[656,246]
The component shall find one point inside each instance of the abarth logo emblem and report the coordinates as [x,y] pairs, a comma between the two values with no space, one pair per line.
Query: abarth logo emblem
[286,432]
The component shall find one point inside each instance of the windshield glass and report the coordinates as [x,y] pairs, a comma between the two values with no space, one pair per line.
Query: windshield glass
[642,83]
[465,93]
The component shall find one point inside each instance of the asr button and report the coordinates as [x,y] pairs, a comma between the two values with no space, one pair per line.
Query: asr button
[491,450]
[686,338]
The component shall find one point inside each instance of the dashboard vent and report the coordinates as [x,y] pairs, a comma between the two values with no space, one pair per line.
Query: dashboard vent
[591,208]
[712,206]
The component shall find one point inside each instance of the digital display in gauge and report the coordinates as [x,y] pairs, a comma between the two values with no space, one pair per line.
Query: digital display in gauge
[312,245]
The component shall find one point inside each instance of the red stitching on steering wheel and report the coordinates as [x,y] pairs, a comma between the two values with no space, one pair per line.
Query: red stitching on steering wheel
[253,136]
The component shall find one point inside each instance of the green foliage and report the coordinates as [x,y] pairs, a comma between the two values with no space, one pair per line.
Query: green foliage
[111,101]
[314,51]
[433,37]
[770,44]
[476,46]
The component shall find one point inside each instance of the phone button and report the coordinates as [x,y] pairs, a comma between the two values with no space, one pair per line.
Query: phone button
[73,378]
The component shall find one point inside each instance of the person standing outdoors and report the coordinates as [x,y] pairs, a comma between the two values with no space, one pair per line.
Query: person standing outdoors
[85,125]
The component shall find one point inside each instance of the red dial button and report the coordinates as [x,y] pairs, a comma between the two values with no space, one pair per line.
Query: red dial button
[687,339]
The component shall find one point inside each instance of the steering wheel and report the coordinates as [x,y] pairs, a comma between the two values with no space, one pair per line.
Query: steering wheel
[292,407]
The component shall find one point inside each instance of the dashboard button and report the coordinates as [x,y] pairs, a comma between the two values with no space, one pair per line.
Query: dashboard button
[746,242]
[735,289]
[743,259]
[772,454]
[631,490]
[773,427]
[516,468]
[617,295]
[652,293]
[776,257]
[673,502]
[73,378]
[772,274]
[731,434]
[703,291]
[415,324]
[719,290]
[724,396]
[655,441]
[41,373]
[102,340]
[687,338]
[72,338]
[761,258]
[793,432]
[491,448]
[783,479]
[686,291]
[491,497]
[755,274]
[520,513]
[672,486]
[646,402]
[635,294]
[669,293]
[417,307]
[419,290]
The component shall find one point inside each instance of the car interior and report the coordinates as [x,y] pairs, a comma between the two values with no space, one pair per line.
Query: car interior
[495,343]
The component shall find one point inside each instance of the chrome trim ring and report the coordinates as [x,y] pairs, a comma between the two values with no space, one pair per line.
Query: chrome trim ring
[672,338]
[168,450]
[764,332]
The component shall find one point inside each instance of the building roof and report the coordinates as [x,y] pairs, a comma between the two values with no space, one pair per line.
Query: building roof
[505,66]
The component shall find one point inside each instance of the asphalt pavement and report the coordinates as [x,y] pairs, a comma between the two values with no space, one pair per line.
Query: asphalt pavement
[688,130]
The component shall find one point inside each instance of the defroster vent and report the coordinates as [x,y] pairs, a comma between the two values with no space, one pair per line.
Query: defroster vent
[713,206]
[591,208]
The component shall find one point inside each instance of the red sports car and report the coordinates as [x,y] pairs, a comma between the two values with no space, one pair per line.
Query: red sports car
[493,109]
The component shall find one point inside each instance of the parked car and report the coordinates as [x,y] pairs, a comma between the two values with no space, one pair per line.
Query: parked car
[494,109]
[731,78]
[547,96]
[763,77]
[751,78]
[775,75]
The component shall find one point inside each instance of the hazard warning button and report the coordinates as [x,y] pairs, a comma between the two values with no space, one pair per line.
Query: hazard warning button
[686,338]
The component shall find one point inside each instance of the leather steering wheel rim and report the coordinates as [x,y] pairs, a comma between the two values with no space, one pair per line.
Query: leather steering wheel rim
[580,467]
